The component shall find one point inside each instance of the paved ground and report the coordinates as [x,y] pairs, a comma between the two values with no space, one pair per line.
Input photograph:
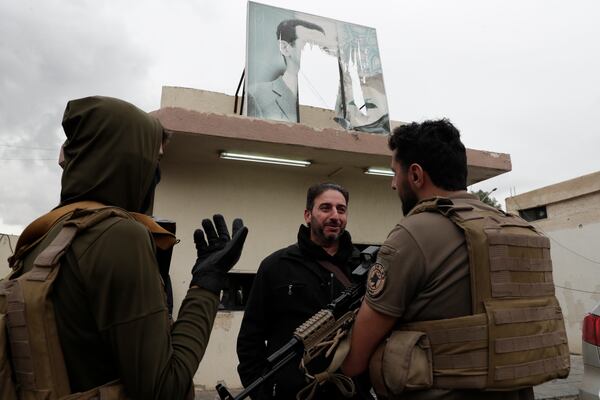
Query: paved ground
[563,389]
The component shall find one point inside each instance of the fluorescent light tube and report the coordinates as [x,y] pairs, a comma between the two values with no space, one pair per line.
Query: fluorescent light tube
[263,159]
[379,171]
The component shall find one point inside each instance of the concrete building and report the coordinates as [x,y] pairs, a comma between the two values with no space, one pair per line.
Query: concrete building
[196,183]
[569,214]
[270,198]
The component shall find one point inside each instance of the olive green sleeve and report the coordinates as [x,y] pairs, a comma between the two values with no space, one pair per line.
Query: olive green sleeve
[192,330]
[127,299]
[156,364]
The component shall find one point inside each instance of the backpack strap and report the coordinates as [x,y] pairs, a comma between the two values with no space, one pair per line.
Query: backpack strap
[79,221]
[35,232]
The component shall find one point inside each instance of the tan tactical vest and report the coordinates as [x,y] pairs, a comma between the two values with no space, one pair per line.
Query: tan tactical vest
[516,336]
[32,365]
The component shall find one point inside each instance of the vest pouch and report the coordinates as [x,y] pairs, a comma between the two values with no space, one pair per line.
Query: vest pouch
[528,342]
[401,363]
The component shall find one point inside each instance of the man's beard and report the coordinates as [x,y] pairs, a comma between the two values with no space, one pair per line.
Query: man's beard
[319,232]
[408,197]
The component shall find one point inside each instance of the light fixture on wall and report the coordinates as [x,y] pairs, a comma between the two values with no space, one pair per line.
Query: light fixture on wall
[379,171]
[263,159]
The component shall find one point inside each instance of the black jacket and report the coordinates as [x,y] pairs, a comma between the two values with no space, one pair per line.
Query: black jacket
[290,286]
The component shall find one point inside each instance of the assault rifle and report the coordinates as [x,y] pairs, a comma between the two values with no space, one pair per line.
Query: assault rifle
[324,326]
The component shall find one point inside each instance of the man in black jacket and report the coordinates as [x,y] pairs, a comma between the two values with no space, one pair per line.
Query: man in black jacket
[291,285]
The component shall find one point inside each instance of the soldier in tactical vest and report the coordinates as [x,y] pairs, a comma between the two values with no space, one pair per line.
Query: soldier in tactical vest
[84,314]
[460,303]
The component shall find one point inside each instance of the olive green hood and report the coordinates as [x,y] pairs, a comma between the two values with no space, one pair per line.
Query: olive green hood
[111,153]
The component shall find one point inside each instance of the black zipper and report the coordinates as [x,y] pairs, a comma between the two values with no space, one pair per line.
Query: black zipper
[331,286]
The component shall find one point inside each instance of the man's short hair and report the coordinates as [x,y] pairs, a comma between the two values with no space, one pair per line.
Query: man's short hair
[315,191]
[436,147]
[286,30]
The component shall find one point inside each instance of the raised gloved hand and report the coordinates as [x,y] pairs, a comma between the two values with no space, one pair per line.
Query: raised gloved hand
[217,253]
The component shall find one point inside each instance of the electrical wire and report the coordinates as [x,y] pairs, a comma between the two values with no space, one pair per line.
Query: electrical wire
[9,242]
[568,249]
[27,147]
[576,290]
[556,241]
[28,159]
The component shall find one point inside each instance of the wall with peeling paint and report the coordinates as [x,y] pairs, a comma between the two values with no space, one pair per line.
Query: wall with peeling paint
[220,360]
[576,275]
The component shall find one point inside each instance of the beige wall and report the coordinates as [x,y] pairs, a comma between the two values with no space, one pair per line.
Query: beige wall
[7,245]
[271,200]
[576,257]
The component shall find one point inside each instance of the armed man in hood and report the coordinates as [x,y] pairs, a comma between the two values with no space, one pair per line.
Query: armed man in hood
[460,303]
[83,314]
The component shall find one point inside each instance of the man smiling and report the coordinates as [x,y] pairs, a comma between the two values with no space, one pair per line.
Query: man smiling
[291,285]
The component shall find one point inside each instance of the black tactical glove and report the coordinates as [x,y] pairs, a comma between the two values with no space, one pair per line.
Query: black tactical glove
[219,254]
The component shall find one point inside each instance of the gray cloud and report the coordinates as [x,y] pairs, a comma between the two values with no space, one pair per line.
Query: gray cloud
[516,77]
[51,52]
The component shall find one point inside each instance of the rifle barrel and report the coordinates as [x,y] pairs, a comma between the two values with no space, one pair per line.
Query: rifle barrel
[246,392]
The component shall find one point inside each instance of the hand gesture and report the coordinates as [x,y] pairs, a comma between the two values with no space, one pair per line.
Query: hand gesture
[217,252]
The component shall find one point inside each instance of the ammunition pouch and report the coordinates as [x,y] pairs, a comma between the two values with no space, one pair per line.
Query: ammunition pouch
[514,344]
[401,363]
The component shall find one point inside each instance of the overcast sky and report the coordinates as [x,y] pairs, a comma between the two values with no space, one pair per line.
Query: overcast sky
[515,76]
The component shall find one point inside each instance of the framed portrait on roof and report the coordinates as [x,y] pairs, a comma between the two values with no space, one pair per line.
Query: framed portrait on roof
[294,58]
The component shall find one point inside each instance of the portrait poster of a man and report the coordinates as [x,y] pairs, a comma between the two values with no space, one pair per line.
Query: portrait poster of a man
[279,39]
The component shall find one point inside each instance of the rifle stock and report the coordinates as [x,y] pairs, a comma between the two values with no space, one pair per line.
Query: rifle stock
[339,314]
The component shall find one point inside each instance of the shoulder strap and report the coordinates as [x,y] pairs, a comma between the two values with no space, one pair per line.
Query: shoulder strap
[37,230]
[334,269]
[443,205]
[79,221]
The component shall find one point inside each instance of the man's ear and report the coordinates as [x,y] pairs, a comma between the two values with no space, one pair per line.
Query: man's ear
[416,175]
[284,47]
[307,216]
